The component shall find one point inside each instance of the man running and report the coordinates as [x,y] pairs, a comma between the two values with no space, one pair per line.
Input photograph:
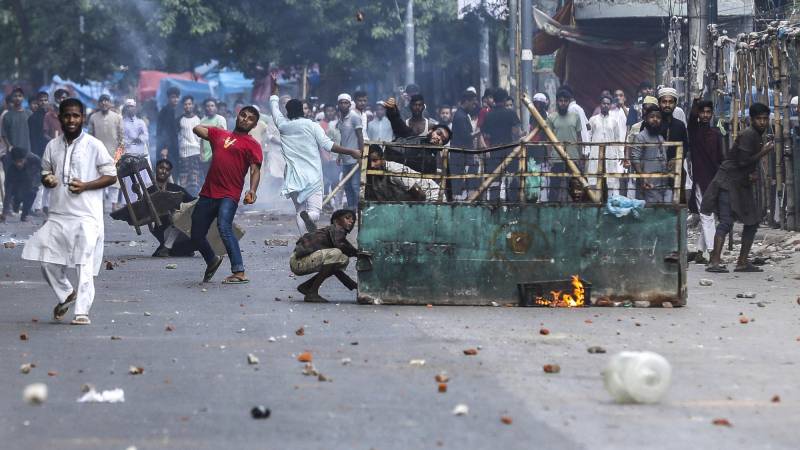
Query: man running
[232,153]
[77,168]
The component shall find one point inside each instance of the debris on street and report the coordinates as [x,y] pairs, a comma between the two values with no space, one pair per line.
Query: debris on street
[471,352]
[637,377]
[461,410]
[304,357]
[116,395]
[260,412]
[722,422]
[134,370]
[35,393]
[417,362]
[26,368]
[551,368]
[252,359]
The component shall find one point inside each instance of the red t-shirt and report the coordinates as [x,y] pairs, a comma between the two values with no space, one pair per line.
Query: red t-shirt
[232,154]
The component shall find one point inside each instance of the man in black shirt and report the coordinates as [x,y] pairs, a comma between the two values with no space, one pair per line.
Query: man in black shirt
[167,127]
[502,126]
[326,252]
[672,129]
[422,160]
[172,241]
[22,170]
[463,137]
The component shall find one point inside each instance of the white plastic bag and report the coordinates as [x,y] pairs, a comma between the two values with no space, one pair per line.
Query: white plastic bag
[637,377]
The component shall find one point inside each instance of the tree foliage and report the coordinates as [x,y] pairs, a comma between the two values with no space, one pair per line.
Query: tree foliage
[43,37]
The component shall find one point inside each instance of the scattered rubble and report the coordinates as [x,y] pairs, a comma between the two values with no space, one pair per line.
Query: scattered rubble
[300,331]
[461,410]
[544,331]
[722,422]
[744,320]
[23,336]
[260,412]
[417,362]
[172,266]
[35,394]
[442,388]
[112,396]
[304,357]
[109,265]
[746,295]
[637,377]
[776,399]
[116,338]
[471,352]
[134,370]
[276,242]
[26,368]
[252,359]
[706,282]
[169,328]
[596,349]
[346,361]
[551,368]
[506,420]
[442,378]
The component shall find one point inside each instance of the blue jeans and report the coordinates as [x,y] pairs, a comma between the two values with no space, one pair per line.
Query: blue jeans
[352,186]
[222,209]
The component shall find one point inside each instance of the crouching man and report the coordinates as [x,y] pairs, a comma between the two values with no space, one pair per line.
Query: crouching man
[326,252]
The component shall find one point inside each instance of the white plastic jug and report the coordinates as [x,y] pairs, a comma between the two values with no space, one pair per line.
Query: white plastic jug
[637,377]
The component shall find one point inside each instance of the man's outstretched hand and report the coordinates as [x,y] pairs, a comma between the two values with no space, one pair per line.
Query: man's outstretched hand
[390,103]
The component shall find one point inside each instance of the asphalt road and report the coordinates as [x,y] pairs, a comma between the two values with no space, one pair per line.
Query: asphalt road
[197,388]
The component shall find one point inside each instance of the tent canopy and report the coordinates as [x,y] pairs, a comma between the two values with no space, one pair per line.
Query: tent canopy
[200,91]
[587,69]
[150,81]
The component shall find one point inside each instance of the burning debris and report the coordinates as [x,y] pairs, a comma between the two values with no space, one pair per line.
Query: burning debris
[571,293]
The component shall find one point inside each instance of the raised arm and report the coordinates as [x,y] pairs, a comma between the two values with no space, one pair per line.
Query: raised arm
[201,131]
[275,108]
[399,127]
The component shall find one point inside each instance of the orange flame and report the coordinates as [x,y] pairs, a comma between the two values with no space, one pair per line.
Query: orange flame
[565,300]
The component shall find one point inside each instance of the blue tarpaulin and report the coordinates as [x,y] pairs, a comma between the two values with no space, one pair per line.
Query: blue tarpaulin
[200,91]
[87,93]
[230,83]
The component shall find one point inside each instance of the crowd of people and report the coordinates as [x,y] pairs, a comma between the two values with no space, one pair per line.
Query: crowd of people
[60,161]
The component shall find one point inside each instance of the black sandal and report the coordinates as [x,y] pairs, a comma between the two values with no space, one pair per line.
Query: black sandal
[61,309]
[717,269]
[212,269]
[748,268]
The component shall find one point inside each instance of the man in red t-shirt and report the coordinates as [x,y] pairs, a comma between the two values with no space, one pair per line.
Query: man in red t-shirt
[232,153]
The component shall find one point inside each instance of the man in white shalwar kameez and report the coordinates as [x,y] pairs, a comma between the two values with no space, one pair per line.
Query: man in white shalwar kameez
[301,141]
[605,127]
[77,168]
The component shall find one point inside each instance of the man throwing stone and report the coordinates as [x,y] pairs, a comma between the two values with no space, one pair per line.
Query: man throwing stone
[232,153]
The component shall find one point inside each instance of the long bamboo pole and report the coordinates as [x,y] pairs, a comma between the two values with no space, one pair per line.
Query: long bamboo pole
[573,169]
[502,167]
[780,111]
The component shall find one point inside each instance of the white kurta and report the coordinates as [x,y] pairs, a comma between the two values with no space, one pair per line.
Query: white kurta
[301,140]
[606,129]
[73,234]
[428,186]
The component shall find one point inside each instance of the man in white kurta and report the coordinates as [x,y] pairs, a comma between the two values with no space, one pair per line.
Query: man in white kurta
[605,127]
[77,167]
[301,141]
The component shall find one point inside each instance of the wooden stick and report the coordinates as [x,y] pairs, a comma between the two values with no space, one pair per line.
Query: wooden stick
[777,127]
[502,167]
[560,149]
[340,185]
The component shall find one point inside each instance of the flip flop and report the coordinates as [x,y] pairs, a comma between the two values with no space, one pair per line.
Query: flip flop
[212,269]
[748,268]
[81,319]
[233,279]
[61,309]
[717,269]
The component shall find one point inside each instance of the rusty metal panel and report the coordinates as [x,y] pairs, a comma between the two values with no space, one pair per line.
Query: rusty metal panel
[476,254]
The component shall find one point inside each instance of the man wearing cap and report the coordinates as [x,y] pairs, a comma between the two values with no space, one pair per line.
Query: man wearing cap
[672,129]
[106,125]
[134,137]
[632,185]
[351,130]
[380,129]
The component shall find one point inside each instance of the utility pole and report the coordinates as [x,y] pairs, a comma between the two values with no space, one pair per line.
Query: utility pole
[526,56]
[483,53]
[409,42]
[697,11]
[513,58]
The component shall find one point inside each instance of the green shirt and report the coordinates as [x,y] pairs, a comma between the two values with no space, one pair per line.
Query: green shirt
[567,128]
[218,122]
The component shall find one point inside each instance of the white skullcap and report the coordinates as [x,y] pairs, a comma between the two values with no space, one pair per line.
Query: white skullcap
[667,92]
[793,101]
[344,97]
[130,102]
[539,97]
[472,89]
